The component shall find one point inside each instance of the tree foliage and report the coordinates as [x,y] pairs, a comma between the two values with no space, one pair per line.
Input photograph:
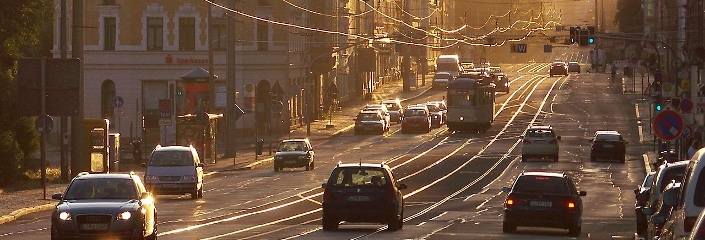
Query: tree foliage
[629,16]
[25,31]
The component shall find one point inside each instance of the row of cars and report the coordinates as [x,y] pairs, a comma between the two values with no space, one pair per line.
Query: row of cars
[542,141]
[563,68]
[376,118]
[441,80]
[670,202]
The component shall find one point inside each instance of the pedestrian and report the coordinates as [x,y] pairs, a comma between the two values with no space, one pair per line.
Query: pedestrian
[693,148]
[613,69]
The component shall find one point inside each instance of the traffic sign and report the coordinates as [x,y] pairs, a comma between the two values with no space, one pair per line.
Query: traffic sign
[39,123]
[686,105]
[687,132]
[165,108]
[118,101]
[668,125]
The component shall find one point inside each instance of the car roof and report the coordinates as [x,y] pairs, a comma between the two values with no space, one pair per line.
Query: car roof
[295,140]
[366,165]
[611,132]
[160,148]
[417,106]
[674,164]
[573,62]
[86,175]
[391,101]
[369,112]
[544,174]
[541,127]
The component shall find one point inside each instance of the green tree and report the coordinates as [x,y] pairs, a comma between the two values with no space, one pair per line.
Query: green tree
[629,16]
[25,31]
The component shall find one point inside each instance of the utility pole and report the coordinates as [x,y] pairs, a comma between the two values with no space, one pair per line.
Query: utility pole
[230,149]
[64,120]
[406,53]
[77,153]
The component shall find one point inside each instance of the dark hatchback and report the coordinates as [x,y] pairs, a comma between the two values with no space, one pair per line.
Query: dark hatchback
[363,193]
[543,199]
[104,206]
[294,153]
[608,145]
[641,195]
[416,118]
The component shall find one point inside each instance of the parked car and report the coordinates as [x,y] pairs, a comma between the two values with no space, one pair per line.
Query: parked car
[441,80]
[540,141]
[574,67]
[416,118]
[370,122]
[174,170]
[363,192]
[662,209]
[558,68]
[692,197]
[294,153]
[608,145]
[104,206]
[698,232]
[641,194]
[396,110]
[543,199]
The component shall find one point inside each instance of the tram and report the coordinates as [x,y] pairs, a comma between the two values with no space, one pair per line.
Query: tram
[470,99]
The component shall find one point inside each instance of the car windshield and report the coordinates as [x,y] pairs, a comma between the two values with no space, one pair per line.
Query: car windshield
[539,133]
[433,108]
[415,112]
[608,137]
[359,177]
[541,184]
[368,117]
[392,106]
[171,158]
[291,146]
[101,189]
[672,174]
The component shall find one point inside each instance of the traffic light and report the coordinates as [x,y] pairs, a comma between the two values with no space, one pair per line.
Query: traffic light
[573,34]
[658,106]
[583,37]
[591,34]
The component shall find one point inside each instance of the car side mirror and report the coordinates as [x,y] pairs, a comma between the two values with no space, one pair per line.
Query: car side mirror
[636,191]
[143,164]
[582,193]
[506,189]
[401,186]
[324,185]
[57,196]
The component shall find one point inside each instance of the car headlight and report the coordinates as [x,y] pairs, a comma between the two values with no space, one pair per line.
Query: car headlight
[189,177]
[435,116]
[124,216]
[150,178]
[66,216]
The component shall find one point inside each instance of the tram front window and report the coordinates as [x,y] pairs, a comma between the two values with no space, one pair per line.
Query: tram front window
[462,100]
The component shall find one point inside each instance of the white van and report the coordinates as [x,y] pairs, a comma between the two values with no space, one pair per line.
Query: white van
[692,198]
[174,170]
[449,63]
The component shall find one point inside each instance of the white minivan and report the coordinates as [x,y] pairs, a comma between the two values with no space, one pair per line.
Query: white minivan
[692,199]
[174,170]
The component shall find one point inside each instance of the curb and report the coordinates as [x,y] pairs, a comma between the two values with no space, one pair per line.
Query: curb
[24,211]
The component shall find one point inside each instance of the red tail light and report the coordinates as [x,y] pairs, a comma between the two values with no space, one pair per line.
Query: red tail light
[509,202]
[689,223]
[571,205]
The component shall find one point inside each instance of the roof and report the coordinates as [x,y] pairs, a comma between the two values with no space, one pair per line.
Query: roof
[423,106]
[295,140]
[85,175]
[369,112]
[541,127]
[546,174]
[607,132]
[369,165]
[391,101]
[172,148]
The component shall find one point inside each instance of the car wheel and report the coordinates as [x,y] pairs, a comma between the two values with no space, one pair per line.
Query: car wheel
[276,168]
[428,130]
[313,165]
[574,231]
[308,167]
[194,194]
[329,224]
[508,227]
[397,223]
[200,192]
[623,159]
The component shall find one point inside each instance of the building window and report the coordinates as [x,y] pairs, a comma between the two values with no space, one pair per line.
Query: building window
[262,37]
[187,34]
[155,34]
[219,34]
[110,33]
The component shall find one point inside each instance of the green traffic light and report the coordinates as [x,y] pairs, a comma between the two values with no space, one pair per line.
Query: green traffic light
[591,40]
[658,108]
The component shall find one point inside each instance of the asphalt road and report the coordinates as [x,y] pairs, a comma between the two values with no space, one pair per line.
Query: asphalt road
[454,179]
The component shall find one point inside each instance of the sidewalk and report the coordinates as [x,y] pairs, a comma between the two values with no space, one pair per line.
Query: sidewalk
[17,204]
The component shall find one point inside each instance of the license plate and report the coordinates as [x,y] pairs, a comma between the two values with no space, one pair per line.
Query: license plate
[94,226]
[608,146]
[170,186]
[540,204]
[291,162]
[359,198]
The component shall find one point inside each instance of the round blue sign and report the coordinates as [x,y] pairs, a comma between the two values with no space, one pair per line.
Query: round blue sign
[668,125]
[118,101]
